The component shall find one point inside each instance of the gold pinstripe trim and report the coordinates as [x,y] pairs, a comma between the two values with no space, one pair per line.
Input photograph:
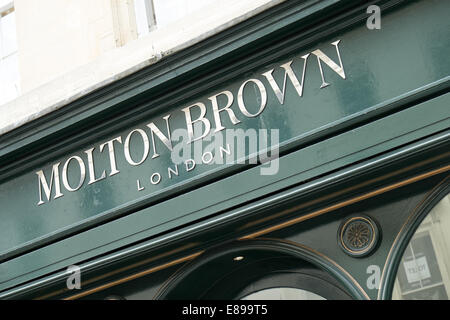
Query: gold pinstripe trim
[282,225]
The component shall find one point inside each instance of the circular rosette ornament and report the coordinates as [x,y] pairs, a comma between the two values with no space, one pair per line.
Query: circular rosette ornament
[358,236]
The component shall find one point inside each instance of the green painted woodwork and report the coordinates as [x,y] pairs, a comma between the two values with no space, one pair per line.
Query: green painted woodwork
[370,82]
[393,100]
[316,160]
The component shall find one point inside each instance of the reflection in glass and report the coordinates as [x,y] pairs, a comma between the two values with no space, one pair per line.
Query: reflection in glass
[283,294]
[145,17]
[168,12]
[9,65]
[152,14]
[9,78]
[9,36]
[424,270]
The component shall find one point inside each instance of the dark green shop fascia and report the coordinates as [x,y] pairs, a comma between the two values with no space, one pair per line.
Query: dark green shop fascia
[373,142]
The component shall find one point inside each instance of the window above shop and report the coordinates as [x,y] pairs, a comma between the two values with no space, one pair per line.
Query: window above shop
[69,48]
[9,68]
[145,17]
[152,14]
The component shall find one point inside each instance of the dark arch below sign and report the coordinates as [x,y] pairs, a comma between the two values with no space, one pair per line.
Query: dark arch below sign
[266,264]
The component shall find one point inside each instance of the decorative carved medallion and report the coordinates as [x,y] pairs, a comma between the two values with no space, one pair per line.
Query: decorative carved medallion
[358,236]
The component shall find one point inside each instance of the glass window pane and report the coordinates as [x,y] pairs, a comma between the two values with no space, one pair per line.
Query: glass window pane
[283,294]
[169,11]
[9,79]
[8,34]
[4,2]
[141,18]
[424,271]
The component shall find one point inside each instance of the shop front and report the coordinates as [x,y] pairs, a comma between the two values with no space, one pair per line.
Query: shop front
[300,154]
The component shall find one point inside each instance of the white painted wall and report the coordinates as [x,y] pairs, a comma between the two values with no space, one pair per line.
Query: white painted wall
[56,37]
[68,48]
